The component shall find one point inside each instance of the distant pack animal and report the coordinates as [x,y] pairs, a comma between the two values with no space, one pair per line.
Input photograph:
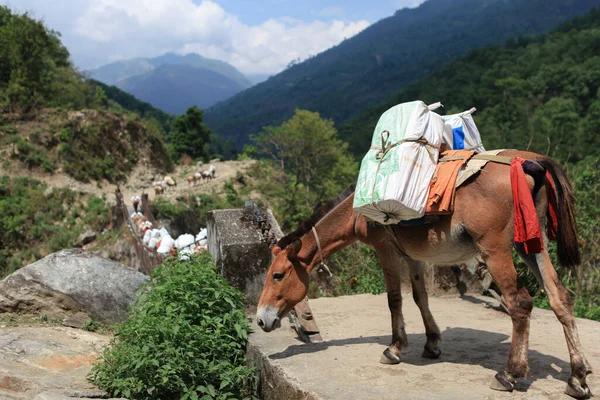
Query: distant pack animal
[158,189]
[206,175]
[481,225]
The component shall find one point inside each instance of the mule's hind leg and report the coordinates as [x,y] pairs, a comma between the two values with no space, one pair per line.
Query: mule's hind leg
[499,261]
[391,263]
[421,298]
[562,305]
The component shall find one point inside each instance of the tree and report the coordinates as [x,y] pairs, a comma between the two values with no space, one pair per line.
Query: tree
[307,149]
[190,136]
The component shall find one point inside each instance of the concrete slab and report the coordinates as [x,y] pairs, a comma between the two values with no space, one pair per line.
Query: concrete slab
[356,330]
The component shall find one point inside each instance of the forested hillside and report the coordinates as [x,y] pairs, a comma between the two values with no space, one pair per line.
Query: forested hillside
[390,54]
[539,94]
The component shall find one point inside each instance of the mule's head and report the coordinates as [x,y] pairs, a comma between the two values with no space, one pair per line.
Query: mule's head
[286,285]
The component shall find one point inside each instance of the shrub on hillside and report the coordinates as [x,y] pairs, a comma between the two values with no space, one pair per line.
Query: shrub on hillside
[185,339]
[35,224]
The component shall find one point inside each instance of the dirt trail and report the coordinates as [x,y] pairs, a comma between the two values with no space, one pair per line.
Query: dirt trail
[140,180]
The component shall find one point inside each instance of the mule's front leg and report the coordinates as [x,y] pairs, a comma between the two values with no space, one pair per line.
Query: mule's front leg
[391,355]
[391,263]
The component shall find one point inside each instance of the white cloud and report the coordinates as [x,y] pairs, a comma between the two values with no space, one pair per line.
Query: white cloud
[102,31]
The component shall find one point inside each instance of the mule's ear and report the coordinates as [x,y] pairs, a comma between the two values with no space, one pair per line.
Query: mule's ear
[276,250]
[294,248]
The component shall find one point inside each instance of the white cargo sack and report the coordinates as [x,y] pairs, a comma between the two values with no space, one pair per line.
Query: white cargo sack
[146,238]
[393,183]
[461,133]
[152,243]
[184,240]
[202,234]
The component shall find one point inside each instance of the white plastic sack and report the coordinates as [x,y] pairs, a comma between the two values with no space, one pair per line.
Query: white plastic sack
[202,242]
[152,243]
[164,232]
[184,241]
[146,238]
[393,183]
[202,234]
[461,133]
[162,249]
[155,233]
[167,241]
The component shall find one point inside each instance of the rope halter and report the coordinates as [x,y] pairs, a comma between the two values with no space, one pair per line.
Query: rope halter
[322,266]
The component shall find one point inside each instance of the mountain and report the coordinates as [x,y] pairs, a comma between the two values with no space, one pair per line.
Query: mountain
[541,94]
[175,87]
[258,78]
[390,54]
[112,73]
[173,82]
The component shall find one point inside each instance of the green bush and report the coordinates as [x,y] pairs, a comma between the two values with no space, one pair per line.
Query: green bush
[185,339]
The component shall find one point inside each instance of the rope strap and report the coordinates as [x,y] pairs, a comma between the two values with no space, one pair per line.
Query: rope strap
[322,266]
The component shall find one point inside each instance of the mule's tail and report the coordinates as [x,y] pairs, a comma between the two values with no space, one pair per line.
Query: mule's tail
[566,235]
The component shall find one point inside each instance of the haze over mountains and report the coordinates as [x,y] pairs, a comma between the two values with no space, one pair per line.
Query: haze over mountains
[392,53]
[172,82]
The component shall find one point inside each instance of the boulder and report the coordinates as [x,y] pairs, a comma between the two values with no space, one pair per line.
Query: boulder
[85,238]
[70,282]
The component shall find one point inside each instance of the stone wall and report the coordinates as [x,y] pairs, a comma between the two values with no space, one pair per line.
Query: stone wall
[239,249]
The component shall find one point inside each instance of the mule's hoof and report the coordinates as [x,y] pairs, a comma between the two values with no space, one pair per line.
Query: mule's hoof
[389,358]
[577,390]
[503,382]
[435,353]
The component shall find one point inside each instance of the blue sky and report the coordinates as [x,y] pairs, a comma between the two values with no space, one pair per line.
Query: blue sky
[256,11]
[256,36]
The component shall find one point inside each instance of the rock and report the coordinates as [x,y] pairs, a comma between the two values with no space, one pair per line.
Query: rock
[239,251]
[70,282]
[76,321]
[85,238]
[48,363]
[48,192]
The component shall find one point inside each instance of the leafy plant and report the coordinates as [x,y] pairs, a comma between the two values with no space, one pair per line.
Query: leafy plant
[185,339]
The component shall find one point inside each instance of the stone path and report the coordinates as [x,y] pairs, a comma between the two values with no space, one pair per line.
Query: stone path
[476,340]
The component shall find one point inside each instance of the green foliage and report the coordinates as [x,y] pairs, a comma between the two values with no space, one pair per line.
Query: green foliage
[34,66]
[196,207]
[358,269]
[34,225]
[31,154]
[185,339]
[540,94]
[387,56]
[310,165]
[190,136]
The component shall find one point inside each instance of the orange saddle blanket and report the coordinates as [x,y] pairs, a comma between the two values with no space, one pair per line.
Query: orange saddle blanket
[442,188]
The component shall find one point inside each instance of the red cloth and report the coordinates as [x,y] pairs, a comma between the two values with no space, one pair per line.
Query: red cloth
[527,226]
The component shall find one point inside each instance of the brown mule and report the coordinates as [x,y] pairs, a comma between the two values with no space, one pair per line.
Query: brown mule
[482,225]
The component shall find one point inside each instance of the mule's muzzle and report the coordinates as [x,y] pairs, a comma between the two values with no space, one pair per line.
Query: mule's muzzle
[268,318]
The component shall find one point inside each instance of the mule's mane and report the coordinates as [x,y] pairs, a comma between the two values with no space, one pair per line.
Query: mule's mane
[307,225]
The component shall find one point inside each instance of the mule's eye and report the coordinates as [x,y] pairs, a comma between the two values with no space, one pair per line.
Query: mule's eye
[278,276]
